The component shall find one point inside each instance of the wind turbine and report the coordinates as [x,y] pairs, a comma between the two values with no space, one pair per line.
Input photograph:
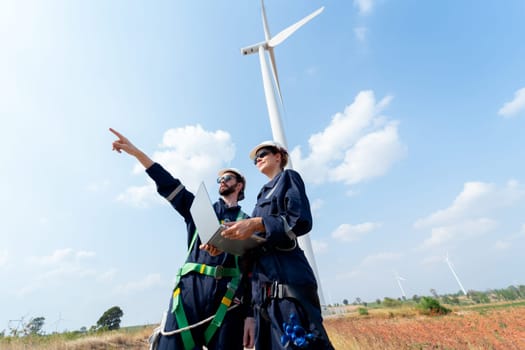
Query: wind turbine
[271,103]
[454,273]
[58,321]
[399,279]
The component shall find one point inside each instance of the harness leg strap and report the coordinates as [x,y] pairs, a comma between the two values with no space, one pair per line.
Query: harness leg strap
[182,321]
[221,311]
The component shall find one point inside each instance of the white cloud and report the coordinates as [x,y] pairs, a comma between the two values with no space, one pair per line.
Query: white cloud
[67,271]
[515,106]
[84,254]
[508,242]
[462,230]
[357,145]
[60,256]
[191,154]
[57,257]
[65,264]
[370,261]
[350,233]
[476,199]
[470,213]
[147,282]
[372,156]
[364,6]
[360,33]
[502,245]
[316,205]
[139,196]
[109,275]
[433,259]
[347,275]
[473,194]
[60,275]
[375,259]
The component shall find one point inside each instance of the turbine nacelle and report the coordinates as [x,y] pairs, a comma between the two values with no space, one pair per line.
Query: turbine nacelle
[254,48]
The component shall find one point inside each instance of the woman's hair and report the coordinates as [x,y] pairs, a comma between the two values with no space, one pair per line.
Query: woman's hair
[282,152]
[284,158]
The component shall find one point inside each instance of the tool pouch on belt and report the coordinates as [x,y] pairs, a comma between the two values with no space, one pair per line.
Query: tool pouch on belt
[305,295]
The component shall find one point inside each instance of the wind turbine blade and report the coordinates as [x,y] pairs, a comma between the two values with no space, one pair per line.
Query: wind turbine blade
[279,38]
[265,22]
[274,73]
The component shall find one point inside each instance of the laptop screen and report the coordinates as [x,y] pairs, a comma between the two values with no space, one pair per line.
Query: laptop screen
[204,215]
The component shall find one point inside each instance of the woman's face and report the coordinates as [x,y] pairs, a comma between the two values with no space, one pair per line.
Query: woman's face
[267,161]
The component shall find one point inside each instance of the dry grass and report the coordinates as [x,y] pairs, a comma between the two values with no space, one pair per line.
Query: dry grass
[134,340]
[465,330]
[495,328]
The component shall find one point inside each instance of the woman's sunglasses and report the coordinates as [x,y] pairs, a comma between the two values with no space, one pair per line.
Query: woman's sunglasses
[261,155]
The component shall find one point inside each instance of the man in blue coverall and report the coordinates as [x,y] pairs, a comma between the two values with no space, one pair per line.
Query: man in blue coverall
[207,283]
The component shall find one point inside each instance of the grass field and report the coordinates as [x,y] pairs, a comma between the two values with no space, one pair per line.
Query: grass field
[499,326]
[491,326]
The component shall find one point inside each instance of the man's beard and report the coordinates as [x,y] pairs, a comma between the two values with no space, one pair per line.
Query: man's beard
[227,190]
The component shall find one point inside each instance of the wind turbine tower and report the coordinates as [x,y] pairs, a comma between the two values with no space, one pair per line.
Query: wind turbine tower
[455,275]
[276,124]
[399,279]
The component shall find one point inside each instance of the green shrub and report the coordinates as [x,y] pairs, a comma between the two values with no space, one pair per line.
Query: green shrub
[389,302]
[363,311]
[430,306]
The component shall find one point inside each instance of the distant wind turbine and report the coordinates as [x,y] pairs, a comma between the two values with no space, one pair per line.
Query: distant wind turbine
[399,279]
[454,273]
[60,319]
[273,110]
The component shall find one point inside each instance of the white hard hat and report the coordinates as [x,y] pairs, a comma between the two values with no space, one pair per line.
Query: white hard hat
[271,144]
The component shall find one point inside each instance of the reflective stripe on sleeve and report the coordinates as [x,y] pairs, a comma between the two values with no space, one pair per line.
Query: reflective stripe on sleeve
[175,192]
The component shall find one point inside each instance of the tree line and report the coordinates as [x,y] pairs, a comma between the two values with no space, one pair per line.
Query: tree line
[510,293]
[110,320]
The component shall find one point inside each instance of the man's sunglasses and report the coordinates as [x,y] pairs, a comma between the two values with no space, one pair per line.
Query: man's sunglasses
[261,155]
[225,178]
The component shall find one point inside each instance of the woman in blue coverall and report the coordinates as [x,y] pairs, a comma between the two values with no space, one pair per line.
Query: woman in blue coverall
[207,276]
[284,289]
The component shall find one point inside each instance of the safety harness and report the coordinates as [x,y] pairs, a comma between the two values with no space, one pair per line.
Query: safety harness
[212,271]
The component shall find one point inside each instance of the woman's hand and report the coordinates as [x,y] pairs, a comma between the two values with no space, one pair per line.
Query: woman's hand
[243,229]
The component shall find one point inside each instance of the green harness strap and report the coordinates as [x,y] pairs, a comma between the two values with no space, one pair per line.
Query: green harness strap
[177,309]
[182,321]
[212,271]
[223,308]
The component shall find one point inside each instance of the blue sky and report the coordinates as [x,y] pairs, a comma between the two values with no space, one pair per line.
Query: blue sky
[405,118]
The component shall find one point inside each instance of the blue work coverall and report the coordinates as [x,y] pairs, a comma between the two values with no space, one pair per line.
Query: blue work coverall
[200,295]
[283,283]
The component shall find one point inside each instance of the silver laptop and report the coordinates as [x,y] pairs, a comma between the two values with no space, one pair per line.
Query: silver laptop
[209,227]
